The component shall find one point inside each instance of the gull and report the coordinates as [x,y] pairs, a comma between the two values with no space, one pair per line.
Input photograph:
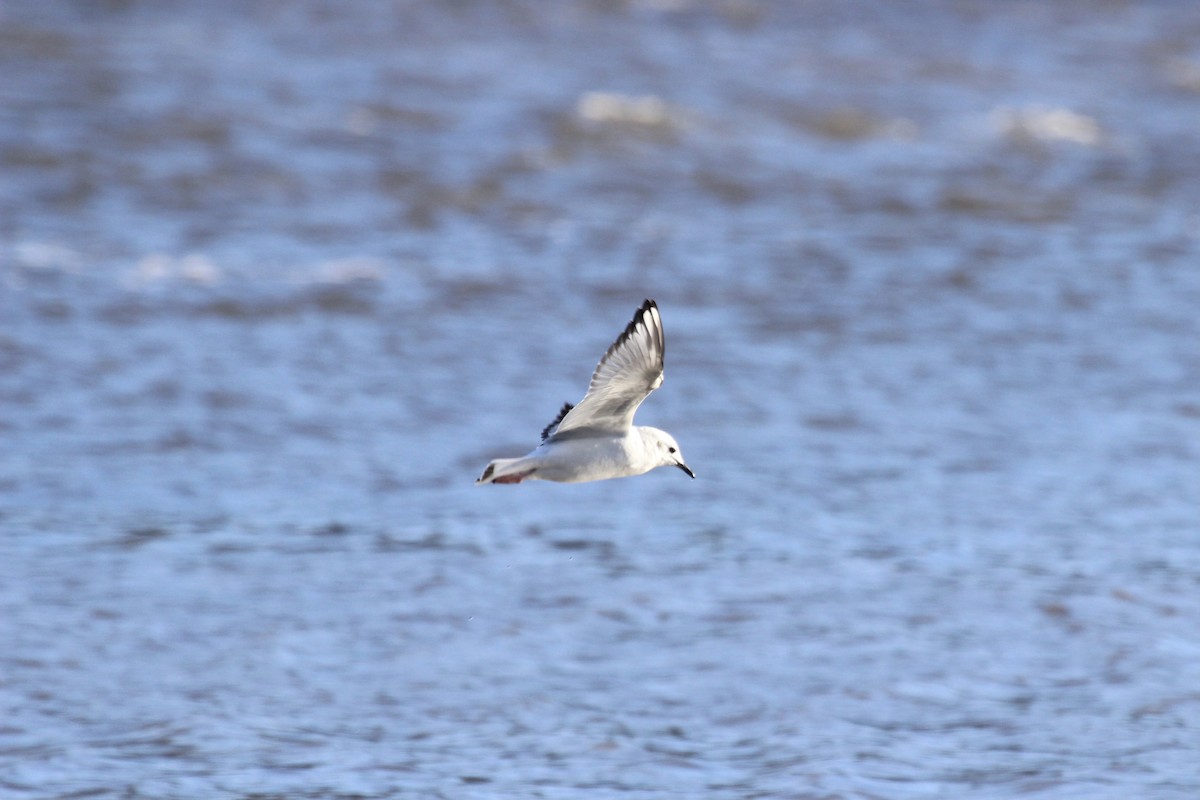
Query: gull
[596,439]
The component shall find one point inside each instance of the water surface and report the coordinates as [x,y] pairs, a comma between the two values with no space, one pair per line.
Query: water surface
[277,281]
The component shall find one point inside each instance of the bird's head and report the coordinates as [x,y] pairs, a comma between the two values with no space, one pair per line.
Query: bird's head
[666,448]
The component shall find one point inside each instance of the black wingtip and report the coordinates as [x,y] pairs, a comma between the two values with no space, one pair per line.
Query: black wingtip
[631,328]
[546,431]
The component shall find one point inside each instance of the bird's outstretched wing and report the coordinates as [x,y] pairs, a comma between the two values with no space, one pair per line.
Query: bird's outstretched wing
[549,429]
[630,370]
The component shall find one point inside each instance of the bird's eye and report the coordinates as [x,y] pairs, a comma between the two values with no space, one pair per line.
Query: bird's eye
[670,449]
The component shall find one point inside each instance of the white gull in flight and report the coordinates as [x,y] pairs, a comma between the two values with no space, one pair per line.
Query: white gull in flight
[597,439]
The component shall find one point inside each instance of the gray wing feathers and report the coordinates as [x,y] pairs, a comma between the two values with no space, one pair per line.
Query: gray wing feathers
[630,370]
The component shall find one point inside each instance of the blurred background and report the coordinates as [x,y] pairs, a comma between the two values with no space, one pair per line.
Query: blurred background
[278,279]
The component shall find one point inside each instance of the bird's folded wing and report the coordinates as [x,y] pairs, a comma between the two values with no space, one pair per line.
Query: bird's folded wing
[630,370]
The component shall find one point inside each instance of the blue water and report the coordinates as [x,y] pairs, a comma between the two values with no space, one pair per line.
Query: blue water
[277,281]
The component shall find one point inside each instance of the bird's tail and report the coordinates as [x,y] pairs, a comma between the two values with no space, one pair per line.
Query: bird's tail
[507,470]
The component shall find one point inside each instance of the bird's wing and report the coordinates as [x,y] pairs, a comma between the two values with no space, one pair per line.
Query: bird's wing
[630,370]
[549,429]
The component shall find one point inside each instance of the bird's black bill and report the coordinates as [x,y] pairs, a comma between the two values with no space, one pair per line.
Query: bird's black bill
[686,469]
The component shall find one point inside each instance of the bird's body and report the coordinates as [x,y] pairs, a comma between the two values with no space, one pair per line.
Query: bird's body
[596,439]
[579,459]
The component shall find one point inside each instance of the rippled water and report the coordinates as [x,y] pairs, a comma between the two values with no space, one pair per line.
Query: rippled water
[278,279]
